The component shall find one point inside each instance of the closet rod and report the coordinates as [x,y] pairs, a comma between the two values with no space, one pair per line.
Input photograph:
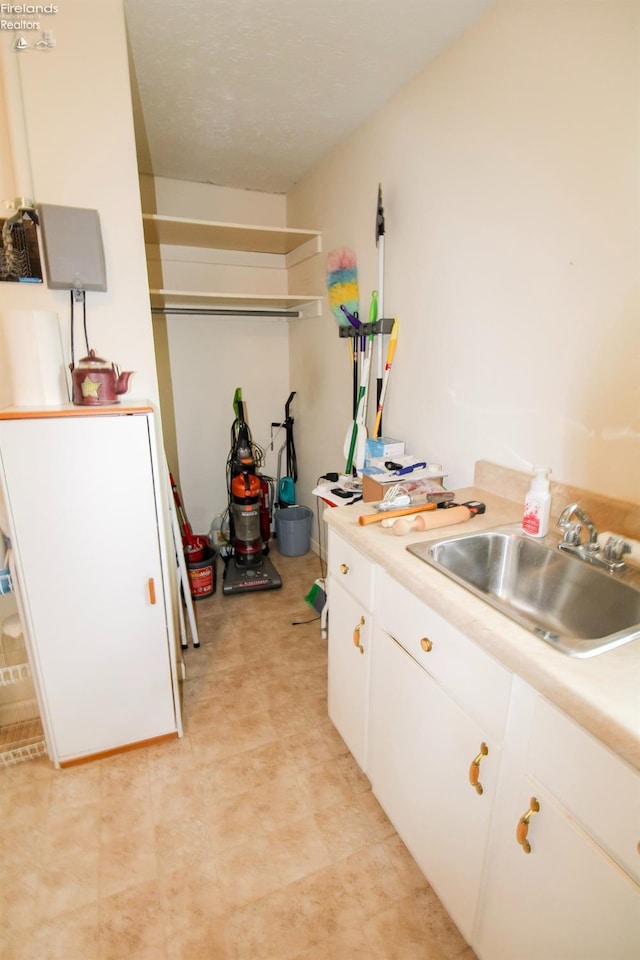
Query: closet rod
[223,312]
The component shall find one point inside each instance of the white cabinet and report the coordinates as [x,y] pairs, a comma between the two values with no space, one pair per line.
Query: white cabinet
[350,591]
[269,249]
[439,716]
[433,766]
[87,529]
[574,895]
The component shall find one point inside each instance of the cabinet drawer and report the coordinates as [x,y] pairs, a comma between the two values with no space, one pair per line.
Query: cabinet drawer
[479,684]
[351,568]
[598,789]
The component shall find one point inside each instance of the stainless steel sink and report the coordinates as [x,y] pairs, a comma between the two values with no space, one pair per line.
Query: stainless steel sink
[577,608]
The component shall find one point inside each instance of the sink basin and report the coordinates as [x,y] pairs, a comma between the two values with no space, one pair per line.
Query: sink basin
[575,607]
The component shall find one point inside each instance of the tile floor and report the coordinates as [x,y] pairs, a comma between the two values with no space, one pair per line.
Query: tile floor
[254,837]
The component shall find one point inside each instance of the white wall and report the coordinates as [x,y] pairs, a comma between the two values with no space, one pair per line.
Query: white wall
[209,358]
[202,359]
[511,187]
[510,176]
[206,201]
[81,152]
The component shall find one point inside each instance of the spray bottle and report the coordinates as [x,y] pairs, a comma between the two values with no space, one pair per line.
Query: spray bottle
[537,504]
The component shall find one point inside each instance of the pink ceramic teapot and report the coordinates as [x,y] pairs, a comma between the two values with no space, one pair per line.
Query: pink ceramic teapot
[96,381]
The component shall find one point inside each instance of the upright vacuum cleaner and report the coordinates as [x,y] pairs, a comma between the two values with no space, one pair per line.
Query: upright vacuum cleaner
[248,568]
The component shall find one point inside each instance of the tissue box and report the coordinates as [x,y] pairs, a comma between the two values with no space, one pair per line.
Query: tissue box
[383,447]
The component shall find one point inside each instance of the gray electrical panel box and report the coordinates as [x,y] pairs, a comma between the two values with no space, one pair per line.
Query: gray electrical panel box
[72,245]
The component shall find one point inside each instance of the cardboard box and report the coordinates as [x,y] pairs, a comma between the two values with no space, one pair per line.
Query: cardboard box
[374,488]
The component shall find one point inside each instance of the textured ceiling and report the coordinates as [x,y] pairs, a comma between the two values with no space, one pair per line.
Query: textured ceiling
[252,93]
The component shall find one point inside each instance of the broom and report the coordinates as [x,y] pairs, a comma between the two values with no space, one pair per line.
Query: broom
[380,230]
[317,596]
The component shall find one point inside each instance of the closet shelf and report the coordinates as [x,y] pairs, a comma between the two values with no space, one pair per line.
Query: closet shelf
[286,306]
[225,236]
[292,246]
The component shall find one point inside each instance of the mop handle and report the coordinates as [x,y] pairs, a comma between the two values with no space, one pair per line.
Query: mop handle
[186,527]
[385,381]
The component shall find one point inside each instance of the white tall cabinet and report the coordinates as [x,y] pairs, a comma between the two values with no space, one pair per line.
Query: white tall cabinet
[82,488]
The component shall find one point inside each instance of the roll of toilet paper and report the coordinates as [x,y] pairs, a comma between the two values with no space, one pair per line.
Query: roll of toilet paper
[34,357]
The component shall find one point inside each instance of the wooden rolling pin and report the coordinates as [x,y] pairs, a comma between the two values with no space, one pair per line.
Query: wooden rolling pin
[443,518]
[368,518]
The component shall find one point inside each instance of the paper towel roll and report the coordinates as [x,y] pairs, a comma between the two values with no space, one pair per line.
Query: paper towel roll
[34,357]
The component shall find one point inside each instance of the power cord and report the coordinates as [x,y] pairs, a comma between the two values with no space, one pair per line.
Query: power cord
[78,296]
[299,623]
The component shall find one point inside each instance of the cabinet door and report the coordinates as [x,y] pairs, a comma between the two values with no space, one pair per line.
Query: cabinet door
[566,899]
[84,514]
[421,747]
[350,631]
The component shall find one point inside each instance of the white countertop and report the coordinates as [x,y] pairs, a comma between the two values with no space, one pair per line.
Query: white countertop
[602,693]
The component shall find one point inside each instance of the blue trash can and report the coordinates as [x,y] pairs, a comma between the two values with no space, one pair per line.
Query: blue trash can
[293,530]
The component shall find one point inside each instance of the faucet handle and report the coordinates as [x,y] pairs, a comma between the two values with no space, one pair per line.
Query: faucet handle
[615,548]
[564,522]
[572,532]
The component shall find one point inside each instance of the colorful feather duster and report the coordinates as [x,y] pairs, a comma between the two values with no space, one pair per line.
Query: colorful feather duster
[342,284]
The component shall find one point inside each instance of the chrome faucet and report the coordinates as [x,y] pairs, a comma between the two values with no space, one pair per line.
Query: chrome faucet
[611,556]
[572,531]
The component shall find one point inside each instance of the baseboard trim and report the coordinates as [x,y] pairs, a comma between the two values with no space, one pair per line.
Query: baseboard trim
[125,748]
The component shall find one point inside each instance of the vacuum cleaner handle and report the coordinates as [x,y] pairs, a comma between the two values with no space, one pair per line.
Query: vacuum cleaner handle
[288,404]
